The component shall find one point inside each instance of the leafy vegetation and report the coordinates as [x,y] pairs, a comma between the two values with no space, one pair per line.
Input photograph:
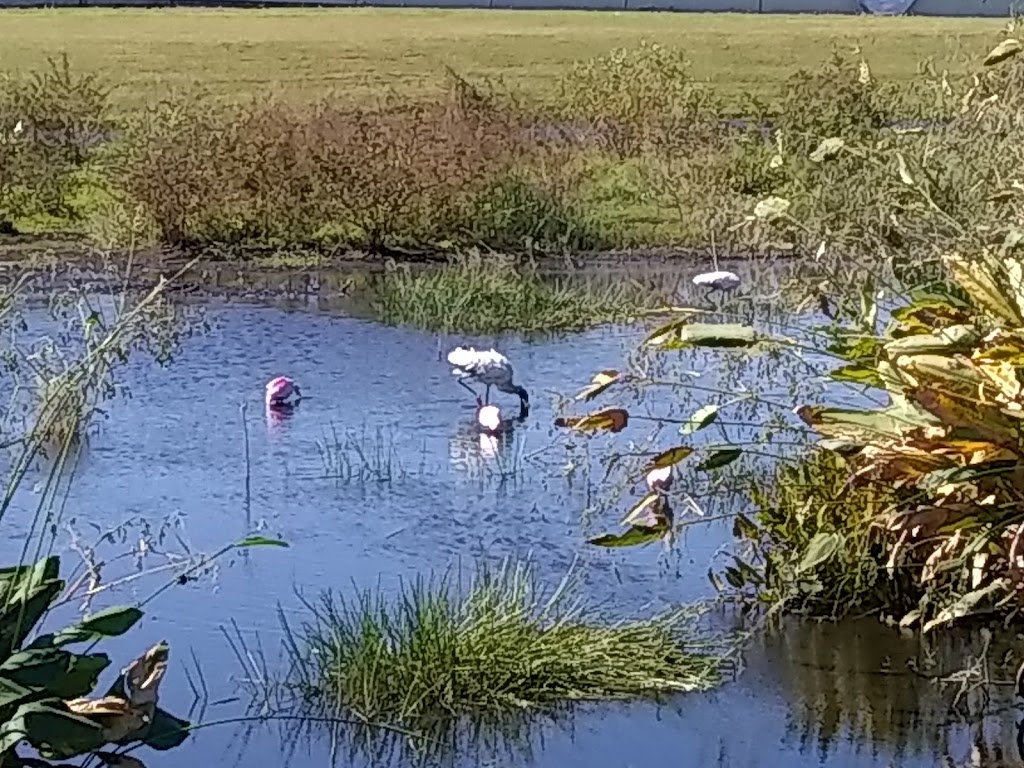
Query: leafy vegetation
[498,645]
[631,149]
[911,508]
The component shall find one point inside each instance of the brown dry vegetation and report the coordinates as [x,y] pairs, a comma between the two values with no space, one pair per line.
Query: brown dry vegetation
[631,151]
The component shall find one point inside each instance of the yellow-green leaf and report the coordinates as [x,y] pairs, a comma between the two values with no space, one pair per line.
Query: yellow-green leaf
[771,208]
[643,510]
[601,381]
[905,176]
[819,549]
[610,419]
[637,535]
[669,457]
[976,277]
[859,374]
[703,417]
[955,338]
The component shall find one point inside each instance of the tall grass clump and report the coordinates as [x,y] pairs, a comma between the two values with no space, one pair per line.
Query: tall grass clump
[500,645]
[474,293]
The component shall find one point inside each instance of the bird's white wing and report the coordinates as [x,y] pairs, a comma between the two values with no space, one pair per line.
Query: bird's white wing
[464,358]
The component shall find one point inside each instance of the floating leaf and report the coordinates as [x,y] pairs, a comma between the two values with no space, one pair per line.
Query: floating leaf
[703,417]
[719,459]
[827,148]
[966,604]
[1003,51]
[771,208]
[669,457]
[611,419]
[637,535]
[601,381]
[260,541]
[819,549]
[706,335]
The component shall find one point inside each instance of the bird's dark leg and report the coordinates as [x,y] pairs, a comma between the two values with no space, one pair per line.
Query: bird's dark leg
[487,397]
[462,382]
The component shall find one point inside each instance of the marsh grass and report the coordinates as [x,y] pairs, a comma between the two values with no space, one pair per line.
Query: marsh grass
[497,645]
[361,457]
[476,293]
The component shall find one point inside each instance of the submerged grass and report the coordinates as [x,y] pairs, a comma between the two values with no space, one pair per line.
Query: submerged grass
[498,646]
[477,294]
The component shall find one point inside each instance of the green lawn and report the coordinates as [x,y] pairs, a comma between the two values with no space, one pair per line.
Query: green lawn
[358,53]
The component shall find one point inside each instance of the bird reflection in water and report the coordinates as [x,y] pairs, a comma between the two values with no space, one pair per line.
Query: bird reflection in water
[278,414]
[279,405]
[485,440]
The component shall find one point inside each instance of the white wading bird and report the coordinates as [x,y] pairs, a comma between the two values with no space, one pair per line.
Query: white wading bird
[490,368]
[719,280]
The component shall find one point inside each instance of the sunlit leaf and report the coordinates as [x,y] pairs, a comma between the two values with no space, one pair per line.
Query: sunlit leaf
[703,417]
[610,419]
[955,338]
[966,604]
[819,549]
[637,535]
[743,528]
[601,381]
[859,374]
[720,458]
[260,541]
[977,279]
[986,421]
[1003,51]
[827,148]
[669,457]
[110,622]
[863,426]
[771,208]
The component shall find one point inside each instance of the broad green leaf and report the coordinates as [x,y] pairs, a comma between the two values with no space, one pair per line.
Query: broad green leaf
[771,208]
[635,536]
[855,347]
[966,604]
[955,338]
[17,619]
[109,622]
[610,419]
[827,148]
[1006,49]
[167,731]
[601,381]
[669,457]
[11,693]
[56,733]
[17,582]
[708,335]
[703,417]
[720,458]
[985,421]
[260,541]
[819,549]
[58,673]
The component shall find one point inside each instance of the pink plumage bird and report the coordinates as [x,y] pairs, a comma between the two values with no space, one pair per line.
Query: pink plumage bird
[281,388]
[660,479]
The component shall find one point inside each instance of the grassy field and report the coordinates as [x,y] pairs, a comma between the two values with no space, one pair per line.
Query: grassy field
[360,53]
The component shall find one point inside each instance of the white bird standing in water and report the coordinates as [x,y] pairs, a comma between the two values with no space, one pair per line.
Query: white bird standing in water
[719,280]
[490,368]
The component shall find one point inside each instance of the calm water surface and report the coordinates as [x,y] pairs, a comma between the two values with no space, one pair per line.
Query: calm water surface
[429,495]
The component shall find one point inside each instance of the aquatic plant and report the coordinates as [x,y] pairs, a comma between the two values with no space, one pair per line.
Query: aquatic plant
[500,644]
[477,293]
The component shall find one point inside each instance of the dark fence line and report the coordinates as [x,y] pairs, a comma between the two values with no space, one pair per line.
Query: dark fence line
[966,8]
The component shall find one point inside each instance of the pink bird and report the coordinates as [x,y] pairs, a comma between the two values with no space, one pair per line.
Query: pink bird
[279,389]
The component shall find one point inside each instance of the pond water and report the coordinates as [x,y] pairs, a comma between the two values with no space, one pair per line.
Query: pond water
[428,495]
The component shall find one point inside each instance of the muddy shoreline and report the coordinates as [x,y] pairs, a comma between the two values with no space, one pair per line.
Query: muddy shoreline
[261,273]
